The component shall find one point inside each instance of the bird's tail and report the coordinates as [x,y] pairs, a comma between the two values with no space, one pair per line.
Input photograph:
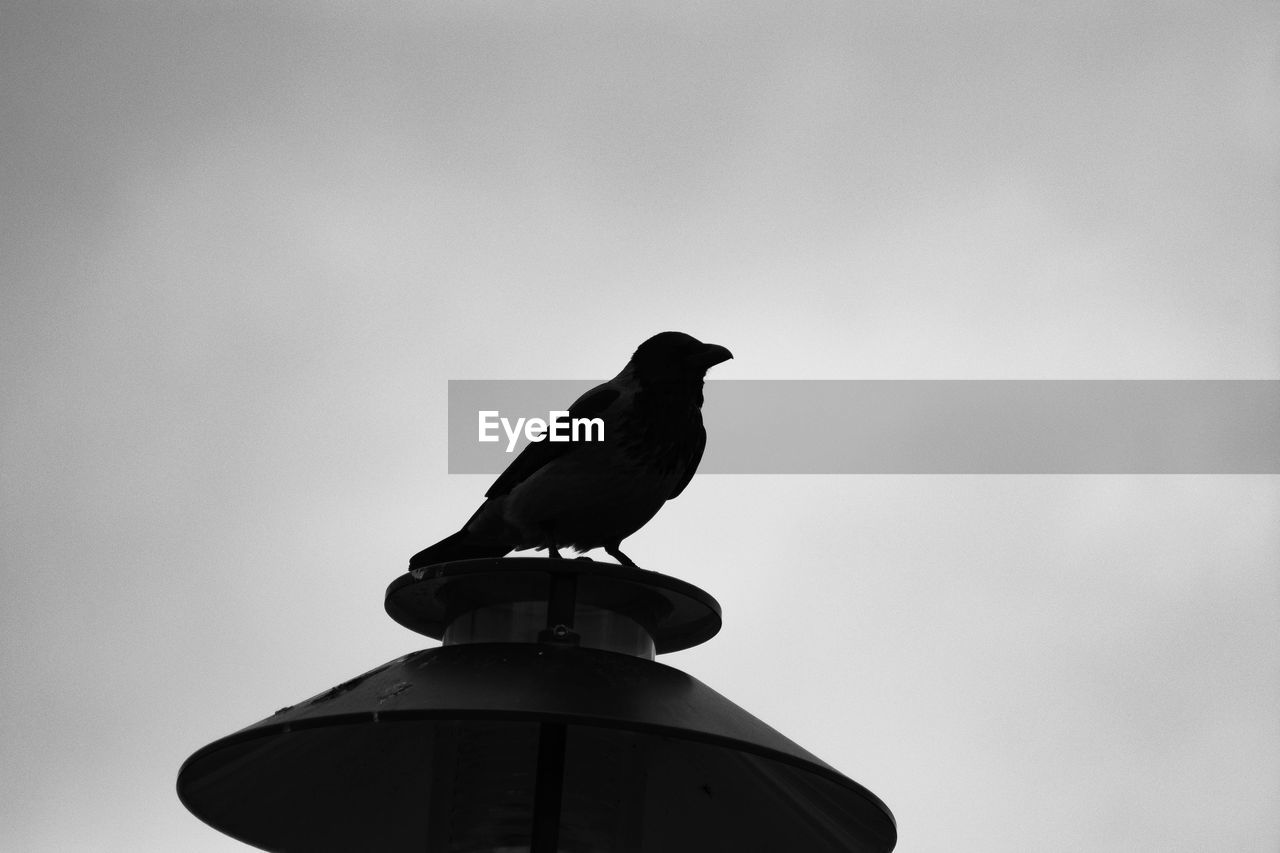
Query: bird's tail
[460,546]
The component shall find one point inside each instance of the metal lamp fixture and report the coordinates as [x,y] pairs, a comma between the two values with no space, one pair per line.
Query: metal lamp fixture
[542,724]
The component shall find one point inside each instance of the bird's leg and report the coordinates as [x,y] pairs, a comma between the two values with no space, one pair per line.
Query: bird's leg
[613,551]
[550,530]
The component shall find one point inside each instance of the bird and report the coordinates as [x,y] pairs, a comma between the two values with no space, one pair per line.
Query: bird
[594,494]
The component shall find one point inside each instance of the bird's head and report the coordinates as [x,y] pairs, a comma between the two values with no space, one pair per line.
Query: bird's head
[675,357]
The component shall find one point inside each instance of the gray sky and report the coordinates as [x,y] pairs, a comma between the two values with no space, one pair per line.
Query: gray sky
[244,247]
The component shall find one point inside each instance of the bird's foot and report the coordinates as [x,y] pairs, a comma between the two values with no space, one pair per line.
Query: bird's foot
[616,553]
[550,531]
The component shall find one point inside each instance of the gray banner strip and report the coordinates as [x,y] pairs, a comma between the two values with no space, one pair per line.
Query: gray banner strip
[932,426]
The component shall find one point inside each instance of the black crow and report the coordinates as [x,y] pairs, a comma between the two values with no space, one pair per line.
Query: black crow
[593,494]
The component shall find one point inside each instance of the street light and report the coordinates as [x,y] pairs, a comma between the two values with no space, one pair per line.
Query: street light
[542,724]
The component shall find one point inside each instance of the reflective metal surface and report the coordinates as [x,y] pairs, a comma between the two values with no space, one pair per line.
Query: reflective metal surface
[542,725]
[438,751]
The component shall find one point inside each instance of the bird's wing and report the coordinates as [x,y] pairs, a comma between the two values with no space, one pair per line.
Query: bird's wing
[536,454]
[695,456]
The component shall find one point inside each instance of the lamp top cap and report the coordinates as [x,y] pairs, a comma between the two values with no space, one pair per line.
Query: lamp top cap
[676,614]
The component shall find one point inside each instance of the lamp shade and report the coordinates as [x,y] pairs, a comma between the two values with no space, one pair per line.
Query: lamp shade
[559,744]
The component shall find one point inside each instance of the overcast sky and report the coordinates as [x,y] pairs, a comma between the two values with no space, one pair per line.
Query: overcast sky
[243,247]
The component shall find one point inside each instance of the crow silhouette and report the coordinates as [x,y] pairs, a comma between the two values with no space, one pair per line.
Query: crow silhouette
[594,494]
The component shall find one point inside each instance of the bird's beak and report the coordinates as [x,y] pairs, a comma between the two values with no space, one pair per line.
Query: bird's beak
[707,357]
